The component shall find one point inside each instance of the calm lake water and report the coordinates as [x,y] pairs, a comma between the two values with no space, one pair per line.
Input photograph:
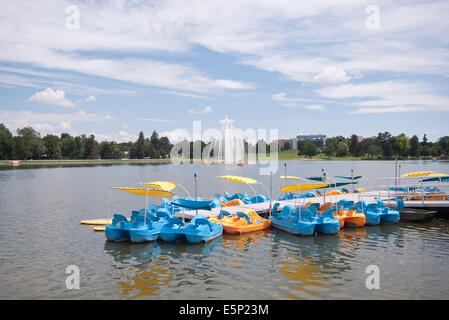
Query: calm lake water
[40,236]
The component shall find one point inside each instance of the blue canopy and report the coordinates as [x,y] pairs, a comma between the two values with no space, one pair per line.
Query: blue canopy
[347,177]
[193,204]
[315,178]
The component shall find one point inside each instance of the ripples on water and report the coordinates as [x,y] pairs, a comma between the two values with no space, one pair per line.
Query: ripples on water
[40,236]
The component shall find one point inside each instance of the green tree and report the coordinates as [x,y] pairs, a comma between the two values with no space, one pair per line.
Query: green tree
[140,146]
[400,145]
[383,141]
[91,148]
[374,150]
[67,146]
[309,149]
[53,146]
[414,146]
[6,143]
[106,150]
[443,142]
[354,145]
[342,149]
[32,143]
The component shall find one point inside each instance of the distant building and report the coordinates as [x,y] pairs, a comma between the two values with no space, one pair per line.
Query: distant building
[285,144]
[317,139]
[359,138]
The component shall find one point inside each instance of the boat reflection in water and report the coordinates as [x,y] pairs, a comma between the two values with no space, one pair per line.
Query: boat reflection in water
[142,269]
[147,280]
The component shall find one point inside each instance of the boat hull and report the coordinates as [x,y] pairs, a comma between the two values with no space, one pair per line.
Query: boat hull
[328,227]
[301,229]
[114,233]
[143,235]
[390,218]
[372,219]
[247,228]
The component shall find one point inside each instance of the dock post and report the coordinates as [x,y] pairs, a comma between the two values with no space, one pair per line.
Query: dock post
[271,191]
[196,193]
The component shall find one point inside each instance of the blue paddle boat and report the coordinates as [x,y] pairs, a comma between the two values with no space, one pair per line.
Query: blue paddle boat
[173,230]
[326,223]
[292,221]
[148,228]
[388,215]
[200,229]
[371,212]
[118,230]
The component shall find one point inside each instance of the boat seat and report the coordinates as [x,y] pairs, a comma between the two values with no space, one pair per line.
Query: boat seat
[325,207]
[245,216]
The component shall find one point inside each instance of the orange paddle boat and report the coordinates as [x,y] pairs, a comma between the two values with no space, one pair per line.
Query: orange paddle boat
[347,216]
[245,221]
[233,202]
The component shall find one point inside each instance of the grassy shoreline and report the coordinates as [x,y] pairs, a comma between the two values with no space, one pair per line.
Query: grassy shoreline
[282,156]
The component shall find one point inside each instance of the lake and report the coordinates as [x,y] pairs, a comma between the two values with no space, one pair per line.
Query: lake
[41,236]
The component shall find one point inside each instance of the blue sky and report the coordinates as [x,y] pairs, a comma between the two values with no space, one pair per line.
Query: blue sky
[330,67]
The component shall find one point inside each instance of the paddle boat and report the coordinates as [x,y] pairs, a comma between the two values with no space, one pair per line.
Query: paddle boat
[148,227]
[290,219]
[371,212]
[388,215]
[200,229]
[172,231]
[244,221]
[326,222]
[118,230]
[218,218]
[231,203]
[348,215]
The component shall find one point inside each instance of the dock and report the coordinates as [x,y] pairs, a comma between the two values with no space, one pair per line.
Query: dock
[263,208]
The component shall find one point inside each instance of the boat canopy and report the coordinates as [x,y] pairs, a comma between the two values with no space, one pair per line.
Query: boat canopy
[339,184]
[348,177]
[193,204]
[147,192]
[290,177]
[417,174]
[315,178]
[162,185]
[436,177]
[303,187]
[239,179]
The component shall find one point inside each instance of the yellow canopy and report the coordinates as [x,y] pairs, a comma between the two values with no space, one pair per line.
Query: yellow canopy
[162,185]
[417,174]
[290,177]
[438,175]
[303,187]
[147,192]
[239,179]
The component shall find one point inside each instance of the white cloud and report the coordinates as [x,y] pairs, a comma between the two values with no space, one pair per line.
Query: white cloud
[45,123]
[176,135]
[332,75]
[206,110]
[52,97]
[90,99]
[390,96]
[315,107]
[109,117]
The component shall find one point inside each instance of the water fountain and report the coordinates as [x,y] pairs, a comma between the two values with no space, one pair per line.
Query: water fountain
[228,148]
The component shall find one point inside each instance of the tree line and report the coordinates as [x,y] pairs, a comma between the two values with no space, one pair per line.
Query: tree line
[28,144]
[382,146]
